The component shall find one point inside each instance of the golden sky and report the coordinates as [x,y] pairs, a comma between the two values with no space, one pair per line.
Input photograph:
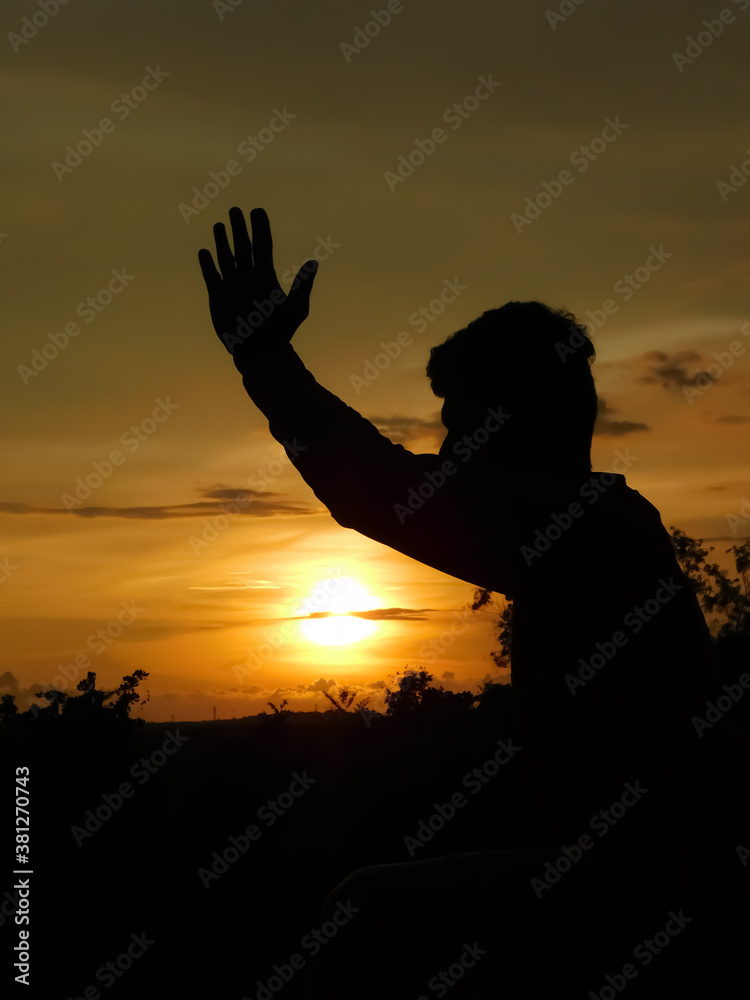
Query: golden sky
[552,157]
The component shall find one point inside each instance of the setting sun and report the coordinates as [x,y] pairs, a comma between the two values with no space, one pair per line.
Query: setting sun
[337,600]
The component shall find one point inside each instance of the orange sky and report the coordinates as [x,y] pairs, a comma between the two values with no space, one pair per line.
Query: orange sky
[317,130]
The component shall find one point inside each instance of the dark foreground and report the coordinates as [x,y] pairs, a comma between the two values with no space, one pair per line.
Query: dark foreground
[194,859]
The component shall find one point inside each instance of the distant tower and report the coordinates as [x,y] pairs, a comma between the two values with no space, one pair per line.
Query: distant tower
[214,713]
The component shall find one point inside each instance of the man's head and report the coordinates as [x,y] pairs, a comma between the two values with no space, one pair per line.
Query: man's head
[533,362]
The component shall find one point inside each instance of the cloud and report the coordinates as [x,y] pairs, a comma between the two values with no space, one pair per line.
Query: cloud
[605,426]
[7,680]
[669,370]
[733,419]
[247,585]
[201,508]
[376,614]
[402,430]
[321,684]
[147,631]
[223,492]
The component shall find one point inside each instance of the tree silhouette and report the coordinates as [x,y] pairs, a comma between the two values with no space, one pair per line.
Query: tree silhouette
[127,695]
[345,698]
[414,694]
[88,707]
[716,591]
[56,699]
[278,711]
[8,709]
[504,626]
[724,598]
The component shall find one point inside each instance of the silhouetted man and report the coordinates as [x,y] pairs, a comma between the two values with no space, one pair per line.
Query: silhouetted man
[610,652]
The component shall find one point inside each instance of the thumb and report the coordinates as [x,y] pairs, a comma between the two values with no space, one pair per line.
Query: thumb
[299,293]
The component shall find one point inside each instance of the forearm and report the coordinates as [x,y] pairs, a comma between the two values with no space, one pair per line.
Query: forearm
[298,407]
[366,481]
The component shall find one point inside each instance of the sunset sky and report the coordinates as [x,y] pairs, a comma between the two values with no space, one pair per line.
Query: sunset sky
[318,125]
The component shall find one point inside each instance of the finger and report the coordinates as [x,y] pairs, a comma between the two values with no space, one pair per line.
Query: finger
[223,253]
[262,243]
[242,249]
[210,275]
[299,294]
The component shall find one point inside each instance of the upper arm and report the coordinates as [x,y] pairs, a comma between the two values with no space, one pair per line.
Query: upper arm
[426,506]
[443,513]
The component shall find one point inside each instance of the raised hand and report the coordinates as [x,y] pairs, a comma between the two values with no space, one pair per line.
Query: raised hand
[249,310]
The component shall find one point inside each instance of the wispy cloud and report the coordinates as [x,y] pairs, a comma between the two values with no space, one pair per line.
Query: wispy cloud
[377,614]
[402,430]
[607,427]
[670,370]
[255,507]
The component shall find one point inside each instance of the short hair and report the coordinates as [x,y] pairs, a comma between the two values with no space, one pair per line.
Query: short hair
[534,358]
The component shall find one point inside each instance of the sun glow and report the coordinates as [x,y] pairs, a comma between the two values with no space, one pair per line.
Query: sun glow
[337,599]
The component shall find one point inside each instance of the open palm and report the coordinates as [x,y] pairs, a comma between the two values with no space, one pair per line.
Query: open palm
[249,310]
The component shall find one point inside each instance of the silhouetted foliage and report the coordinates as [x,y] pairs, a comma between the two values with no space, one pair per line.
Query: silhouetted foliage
[504,626]
[716,591]
[414,694]
[8,709]
[345,699]
[280,710]
[127,695]
[724,598]
[85,709]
